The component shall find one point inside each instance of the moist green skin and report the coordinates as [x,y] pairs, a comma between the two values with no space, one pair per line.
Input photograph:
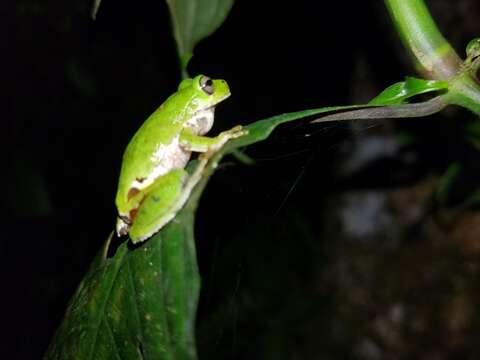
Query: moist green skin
[160,149]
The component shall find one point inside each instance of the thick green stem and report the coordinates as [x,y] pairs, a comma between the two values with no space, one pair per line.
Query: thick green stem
[465,91]
[434,56]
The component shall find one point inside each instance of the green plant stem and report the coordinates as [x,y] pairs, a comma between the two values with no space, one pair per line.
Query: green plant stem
[465,91]
[434,56]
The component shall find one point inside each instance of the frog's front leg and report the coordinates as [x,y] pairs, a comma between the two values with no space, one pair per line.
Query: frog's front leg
[158,205]
[192,142]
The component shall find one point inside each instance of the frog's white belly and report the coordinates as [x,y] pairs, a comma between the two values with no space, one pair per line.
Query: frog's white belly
[167,157]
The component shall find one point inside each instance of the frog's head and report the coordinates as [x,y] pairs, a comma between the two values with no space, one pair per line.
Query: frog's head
[205,92]
[202,94]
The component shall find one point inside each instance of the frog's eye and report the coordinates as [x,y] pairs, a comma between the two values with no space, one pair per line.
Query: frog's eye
[206,84]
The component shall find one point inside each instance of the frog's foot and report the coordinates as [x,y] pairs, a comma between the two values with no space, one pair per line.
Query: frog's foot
[234,132]
[123,225]
[225,136]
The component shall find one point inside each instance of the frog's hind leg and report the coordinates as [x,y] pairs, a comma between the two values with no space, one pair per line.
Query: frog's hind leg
[158,206]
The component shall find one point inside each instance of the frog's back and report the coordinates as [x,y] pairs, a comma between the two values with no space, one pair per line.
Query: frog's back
[160,128]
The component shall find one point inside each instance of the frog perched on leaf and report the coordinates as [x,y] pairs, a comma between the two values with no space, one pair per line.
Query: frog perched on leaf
[151,187]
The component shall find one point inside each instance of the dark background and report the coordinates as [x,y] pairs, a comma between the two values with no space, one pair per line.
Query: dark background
[269,241]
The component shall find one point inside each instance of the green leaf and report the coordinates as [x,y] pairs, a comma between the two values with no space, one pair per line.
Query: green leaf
[139,304]
[194,20]
[400,92]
